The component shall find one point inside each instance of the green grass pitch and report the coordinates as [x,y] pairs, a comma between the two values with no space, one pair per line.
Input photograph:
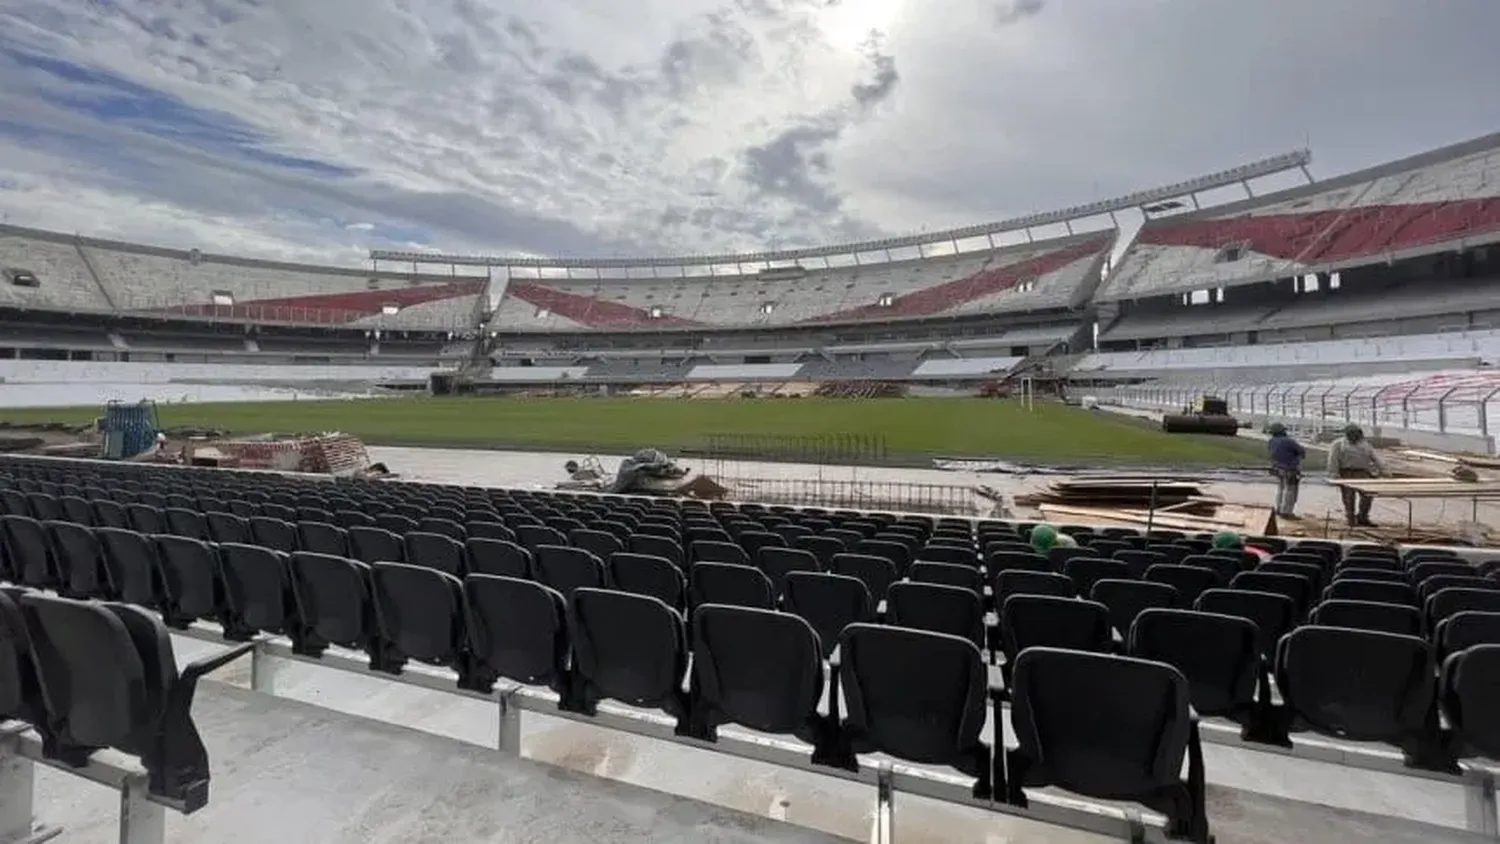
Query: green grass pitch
[912,428]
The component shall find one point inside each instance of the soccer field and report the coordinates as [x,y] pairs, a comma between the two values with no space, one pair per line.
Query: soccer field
[911,428]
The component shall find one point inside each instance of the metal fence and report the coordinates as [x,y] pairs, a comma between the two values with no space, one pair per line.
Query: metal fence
[857,494]
[1465,404]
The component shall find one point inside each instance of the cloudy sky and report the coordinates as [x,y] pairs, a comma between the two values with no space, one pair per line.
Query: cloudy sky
[315,129]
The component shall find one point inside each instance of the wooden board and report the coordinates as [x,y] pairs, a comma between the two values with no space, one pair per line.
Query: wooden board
[1420,487]
[1255,520]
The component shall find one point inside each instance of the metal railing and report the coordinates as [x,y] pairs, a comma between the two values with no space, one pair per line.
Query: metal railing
[1465,404]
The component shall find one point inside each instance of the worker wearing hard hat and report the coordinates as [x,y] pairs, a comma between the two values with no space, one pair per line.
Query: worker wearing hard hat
[1352,456]
[1286,465]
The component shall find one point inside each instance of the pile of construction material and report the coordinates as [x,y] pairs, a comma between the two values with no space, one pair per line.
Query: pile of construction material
[1136,501]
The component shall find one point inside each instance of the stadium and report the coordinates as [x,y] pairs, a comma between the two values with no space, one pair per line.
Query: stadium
[1368,298]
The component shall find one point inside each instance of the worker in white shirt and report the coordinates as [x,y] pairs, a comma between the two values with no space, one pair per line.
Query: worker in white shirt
[1352,456]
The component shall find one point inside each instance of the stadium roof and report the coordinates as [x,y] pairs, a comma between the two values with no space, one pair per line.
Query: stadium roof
[1235,175]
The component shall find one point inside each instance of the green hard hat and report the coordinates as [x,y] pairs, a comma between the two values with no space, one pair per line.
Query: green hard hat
[1276,429]
[1227,539]
[1353,430]
[1043,537]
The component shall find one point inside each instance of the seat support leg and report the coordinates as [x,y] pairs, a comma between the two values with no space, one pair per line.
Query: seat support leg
[508,737]
[883,827]
[141,821]
[1479,803]
[263,669]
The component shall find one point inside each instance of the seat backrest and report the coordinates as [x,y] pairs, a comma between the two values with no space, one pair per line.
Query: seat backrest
[877,573]
[1438,582]
[938,608]
[643,574]
[828,602]
[1127,599]
[1369,615]
[1357,684]
[333,597]
[134,566]
[1007,559]
[28,551]
[888,673]
[1101,725]
[757,668]
[1469,690]
[498,557]
[1314,575]
[597,542]
[227,527]
[533,536]
[668,548]
[1446,602]
[1140,561]
[1218,654]
[184,522]
[20,693]
[95,683]
[947,574]
[1355,589]
[1189,581]
[438,552]
[419,611]
[1043,620]
[191,569]
[1225,567]
[375,545]
[775,563]
[486,529]
[518,629]
[258,587]
[276,534]
[80,561]
[565,569]
[937,551]
[1272,614]
[1023,582]
[718,552]
[1423,570]
[1086,571]
[1465,630]
[323,538]
[450,526]
[629,648]
[725,583]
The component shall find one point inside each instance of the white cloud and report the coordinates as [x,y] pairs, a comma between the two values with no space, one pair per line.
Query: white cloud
[602,127]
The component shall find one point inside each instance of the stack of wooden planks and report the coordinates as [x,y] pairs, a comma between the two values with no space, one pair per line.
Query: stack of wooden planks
[1136,501]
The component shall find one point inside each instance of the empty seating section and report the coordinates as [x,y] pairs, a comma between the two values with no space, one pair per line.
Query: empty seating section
[1439,197]
[64,282]
[88,275]
[132,372]
[1458,346]
[600,597]
[1015,278]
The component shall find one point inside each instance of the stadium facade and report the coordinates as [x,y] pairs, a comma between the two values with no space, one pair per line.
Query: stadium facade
[1383,276]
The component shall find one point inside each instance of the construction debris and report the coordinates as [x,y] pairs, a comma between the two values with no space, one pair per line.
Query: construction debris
[1179,496]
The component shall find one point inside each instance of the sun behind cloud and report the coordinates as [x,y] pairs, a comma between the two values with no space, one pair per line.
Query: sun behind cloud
[848,24]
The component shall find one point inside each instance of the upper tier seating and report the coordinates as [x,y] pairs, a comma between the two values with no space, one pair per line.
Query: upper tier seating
[1461,345]
[1016,278]
[84,275]
[1418,203]
[63,279]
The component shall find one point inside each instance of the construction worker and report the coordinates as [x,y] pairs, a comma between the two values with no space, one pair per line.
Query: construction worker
[1286,464]
[1352,456]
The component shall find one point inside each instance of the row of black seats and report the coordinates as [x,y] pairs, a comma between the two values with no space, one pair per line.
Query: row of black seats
[758,668]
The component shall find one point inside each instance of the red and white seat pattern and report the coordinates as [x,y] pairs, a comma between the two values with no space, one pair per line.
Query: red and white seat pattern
[1031,276]
[1421,204]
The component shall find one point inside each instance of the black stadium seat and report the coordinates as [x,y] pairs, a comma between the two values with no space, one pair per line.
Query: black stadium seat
[884,670]
[828,602]
[727,583]
[109,679]
[1364,686]
[937,608]
[629,648]
[758,669]
[375,545]
[333,603]
[258,596]
[1469,690]
[643,574]
[498,557]
[420,613]
[518,630]
[436,551]
[1109,727]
